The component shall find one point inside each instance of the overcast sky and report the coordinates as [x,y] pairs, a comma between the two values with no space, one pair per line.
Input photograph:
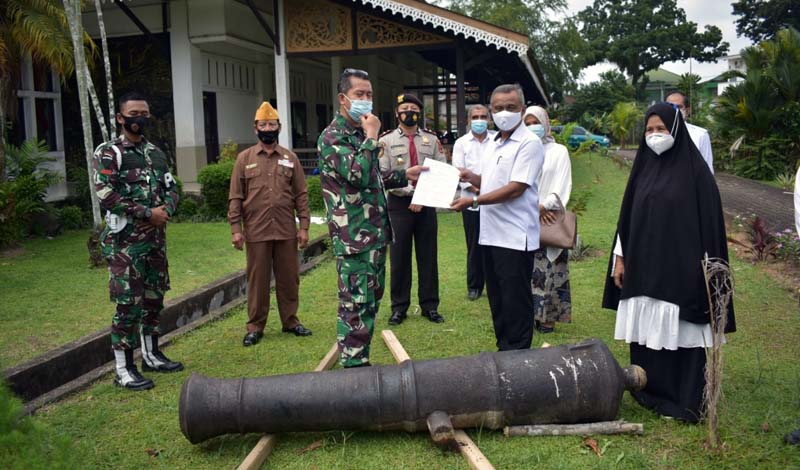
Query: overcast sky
[703,12]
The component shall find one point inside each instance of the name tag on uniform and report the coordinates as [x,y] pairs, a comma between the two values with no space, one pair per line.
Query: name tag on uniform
[252,165]
[286,163]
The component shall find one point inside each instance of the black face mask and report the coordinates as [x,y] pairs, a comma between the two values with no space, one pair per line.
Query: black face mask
[408,118]
[268,137]
[135,124]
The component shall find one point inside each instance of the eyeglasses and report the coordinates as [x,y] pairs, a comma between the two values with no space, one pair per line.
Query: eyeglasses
[348,72]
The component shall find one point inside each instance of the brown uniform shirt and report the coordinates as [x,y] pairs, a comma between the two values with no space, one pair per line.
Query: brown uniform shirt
[266,192]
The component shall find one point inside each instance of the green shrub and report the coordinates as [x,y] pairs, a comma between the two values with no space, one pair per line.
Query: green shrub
[315,201]
[78,180]
[563,136]
[72,217]
[25,443]
[22,195]
[229,151]
[187,208]
[216,181]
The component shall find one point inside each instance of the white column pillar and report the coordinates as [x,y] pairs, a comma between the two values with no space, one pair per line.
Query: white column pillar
[282,87]
[187,98]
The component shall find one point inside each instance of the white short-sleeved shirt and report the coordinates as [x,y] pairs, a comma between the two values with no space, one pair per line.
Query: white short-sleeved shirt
[797,201]
[702,141]
[513,224]
[468,152]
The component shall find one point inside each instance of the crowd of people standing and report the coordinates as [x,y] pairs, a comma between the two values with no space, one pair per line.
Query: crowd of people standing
[515,181]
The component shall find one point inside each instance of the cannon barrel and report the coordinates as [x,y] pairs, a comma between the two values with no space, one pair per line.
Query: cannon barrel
[567,384]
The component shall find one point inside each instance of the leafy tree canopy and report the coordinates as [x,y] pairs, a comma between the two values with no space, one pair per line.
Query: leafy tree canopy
[641,35]
[598,98]
[558,46]
[762,19]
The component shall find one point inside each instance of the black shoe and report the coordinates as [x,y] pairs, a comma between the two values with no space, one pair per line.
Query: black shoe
[252,338]
[433,316]
[545,329]
[355,366]
[397,318]
[473,294]
[298,330]
[127,374]
[153,360]
[793,438]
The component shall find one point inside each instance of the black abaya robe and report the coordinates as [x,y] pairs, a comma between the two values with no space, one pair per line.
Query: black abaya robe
[671,216]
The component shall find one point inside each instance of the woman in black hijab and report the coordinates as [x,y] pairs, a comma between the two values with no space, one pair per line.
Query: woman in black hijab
[671,217]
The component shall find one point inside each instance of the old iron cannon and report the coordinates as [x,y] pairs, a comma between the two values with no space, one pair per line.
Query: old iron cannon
[568,384]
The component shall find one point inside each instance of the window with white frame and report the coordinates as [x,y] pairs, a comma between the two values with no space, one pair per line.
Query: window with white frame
[39,116]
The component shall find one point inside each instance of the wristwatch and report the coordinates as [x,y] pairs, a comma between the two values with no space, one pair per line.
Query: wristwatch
[474,202]
[148,213]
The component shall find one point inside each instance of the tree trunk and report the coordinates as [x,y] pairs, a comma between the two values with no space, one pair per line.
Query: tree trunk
[107,65]
[98,111]
[72,9]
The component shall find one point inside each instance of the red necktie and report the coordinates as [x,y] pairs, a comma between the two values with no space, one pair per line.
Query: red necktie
[412,154]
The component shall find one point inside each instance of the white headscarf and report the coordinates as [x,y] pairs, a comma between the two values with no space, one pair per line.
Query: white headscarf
[541,115]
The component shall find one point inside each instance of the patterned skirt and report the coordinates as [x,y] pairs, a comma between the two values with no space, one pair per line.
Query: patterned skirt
[550,284]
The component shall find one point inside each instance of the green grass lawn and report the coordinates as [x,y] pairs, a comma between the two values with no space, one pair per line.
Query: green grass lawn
[50,296]
[115,428]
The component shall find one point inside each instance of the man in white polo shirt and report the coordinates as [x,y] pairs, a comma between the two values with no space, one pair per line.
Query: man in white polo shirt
[468,152]
[699,135]
[509,232]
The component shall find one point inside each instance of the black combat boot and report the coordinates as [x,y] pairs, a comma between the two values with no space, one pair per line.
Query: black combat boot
[154,360]
[127,374]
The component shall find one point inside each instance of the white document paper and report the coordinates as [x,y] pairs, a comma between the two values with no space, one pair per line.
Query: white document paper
[437,186]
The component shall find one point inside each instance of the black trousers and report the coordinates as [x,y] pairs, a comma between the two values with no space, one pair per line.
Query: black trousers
[508,286]
[472,230]
[417,230]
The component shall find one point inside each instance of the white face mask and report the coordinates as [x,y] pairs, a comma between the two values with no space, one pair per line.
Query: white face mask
[659,143]
[506,120]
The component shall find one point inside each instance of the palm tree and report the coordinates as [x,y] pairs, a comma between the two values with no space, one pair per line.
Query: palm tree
[760,114]
[30,27]
[622,120]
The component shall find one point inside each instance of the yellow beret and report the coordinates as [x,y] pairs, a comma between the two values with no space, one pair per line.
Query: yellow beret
[266,112]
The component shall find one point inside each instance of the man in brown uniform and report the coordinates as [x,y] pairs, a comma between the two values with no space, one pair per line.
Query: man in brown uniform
[267,188]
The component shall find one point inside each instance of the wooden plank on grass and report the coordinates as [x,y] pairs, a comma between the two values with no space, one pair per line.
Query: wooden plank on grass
[397,350]
[329,360]
[471,453]
[584,429]
[255,459]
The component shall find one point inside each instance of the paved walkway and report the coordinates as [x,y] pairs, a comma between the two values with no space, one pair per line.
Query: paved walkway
[741,196]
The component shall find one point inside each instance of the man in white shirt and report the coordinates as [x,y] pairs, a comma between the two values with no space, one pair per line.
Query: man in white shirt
[468,152]
[797,202]
[509,231]
[699,135]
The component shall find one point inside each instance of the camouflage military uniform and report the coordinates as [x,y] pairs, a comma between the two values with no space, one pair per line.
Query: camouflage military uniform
[130,178]
[358,221]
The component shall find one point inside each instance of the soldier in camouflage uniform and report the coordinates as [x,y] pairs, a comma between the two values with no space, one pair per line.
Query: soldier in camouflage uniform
[139,195]
[358,219]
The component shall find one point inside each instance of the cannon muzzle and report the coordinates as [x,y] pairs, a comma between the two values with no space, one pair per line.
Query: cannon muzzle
[568,384]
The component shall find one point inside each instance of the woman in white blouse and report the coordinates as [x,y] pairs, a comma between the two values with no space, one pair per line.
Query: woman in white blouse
[550,283]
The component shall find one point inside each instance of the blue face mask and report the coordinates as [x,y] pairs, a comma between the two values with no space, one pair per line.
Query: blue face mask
[358,108]
[537,129]
[479,126]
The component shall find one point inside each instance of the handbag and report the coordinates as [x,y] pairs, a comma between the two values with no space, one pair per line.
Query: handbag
[563,232]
